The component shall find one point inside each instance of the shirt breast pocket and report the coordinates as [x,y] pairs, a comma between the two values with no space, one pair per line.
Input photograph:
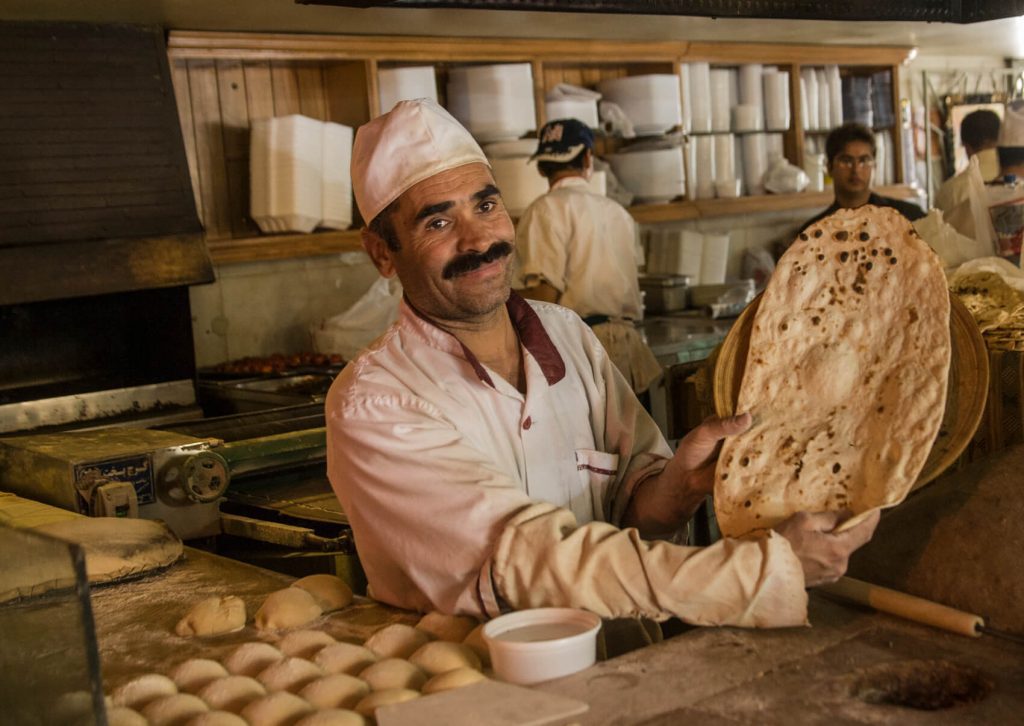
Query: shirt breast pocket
[597,470]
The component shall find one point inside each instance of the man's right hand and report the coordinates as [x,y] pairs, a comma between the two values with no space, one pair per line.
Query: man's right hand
[822,552]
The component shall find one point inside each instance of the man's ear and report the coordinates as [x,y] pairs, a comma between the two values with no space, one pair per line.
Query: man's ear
[379,252]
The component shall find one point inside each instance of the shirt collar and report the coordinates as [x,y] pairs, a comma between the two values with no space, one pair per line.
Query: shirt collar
[528,327]
[569,181]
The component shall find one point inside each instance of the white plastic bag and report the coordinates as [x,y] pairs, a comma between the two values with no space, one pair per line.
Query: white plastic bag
[964,204]
[784,178]
[952,247]
[351,331]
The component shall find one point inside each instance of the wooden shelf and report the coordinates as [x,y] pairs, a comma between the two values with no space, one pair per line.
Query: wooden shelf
[287,246]
[223,81]
[283,246]
[709,208]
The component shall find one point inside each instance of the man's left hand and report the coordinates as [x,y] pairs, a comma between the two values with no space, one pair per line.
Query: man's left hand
[664,502]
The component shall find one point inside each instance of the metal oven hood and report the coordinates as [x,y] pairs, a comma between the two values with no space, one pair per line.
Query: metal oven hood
[95,192]
[946,11]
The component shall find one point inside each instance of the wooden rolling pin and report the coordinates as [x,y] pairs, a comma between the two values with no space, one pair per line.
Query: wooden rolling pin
[906,606]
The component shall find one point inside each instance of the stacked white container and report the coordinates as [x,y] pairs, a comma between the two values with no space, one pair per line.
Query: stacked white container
[651,102]
[404,84]
[494,102]
[299,174]
[337,177]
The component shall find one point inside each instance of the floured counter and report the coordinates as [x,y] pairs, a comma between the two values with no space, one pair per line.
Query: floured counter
[135,620]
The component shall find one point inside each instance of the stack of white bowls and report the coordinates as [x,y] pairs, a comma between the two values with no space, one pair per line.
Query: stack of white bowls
[651,102]
[652,175]
[584,109]
[404,84]
[776,100]
[721,99]
[299,174]
[517,178]
[751,98]
[568,101]
[699,100]
[495,102]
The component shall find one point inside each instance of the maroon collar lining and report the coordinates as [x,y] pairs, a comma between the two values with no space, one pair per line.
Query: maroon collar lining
[531,333]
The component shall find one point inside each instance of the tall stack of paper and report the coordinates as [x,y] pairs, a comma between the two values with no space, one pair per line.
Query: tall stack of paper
[337,178]
[286,172]
[299,174]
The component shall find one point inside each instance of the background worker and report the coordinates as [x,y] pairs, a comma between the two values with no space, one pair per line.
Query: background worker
[579,249]
[851,162]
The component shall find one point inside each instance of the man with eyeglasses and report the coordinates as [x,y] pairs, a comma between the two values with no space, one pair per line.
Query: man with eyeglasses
[851,162]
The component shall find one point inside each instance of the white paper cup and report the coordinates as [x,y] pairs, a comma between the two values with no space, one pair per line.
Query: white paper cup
[728,188]
[530,646]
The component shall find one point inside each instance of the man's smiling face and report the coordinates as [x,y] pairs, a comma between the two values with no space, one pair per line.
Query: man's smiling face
[455,245]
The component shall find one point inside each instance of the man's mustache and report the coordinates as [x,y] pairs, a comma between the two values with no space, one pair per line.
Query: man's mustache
[472,260]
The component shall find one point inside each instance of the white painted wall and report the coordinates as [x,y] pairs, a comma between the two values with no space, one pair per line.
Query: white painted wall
[261,308]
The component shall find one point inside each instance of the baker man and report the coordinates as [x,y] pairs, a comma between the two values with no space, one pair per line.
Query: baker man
[579,249]
[488,454]
[850,150]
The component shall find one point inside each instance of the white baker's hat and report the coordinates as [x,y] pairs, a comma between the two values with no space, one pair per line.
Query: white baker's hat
[1011,132]
[412,142]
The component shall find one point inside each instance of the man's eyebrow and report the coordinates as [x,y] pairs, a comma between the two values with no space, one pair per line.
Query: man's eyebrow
[488,191]
[433,209]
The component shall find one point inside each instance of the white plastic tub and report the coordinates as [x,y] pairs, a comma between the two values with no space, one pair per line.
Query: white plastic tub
[530,646]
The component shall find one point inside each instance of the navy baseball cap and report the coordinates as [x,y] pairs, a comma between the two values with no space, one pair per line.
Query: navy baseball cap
[562,140]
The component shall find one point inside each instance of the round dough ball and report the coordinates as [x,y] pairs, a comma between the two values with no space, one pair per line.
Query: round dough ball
[338,690]
[289,608]
[277,709]
[213,616]
[453,628]
[453,679]
[330,592]
[441,656]
[232,693]
[124,716]
[396,641]
[393,673]
[344,658]
[193,674]
[333,717]
[173,710]
[141,690]
[72,708]
[375,700]
[249,659]
[289,674]
[217,718]
[475,641]
[304,643]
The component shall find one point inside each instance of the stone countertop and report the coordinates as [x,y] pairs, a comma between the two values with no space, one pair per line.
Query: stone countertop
[683,337]
[824,674]
[836,671]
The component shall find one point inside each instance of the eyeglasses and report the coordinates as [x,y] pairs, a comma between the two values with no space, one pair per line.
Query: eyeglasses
[849,162]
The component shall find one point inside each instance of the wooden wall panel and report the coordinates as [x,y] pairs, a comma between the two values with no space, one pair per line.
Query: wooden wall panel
[212,171]
[259,91]
[286,89]
[234,114]
[346,93]
[310,83]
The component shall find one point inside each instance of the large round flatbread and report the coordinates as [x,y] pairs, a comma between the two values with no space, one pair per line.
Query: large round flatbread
[846,375]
